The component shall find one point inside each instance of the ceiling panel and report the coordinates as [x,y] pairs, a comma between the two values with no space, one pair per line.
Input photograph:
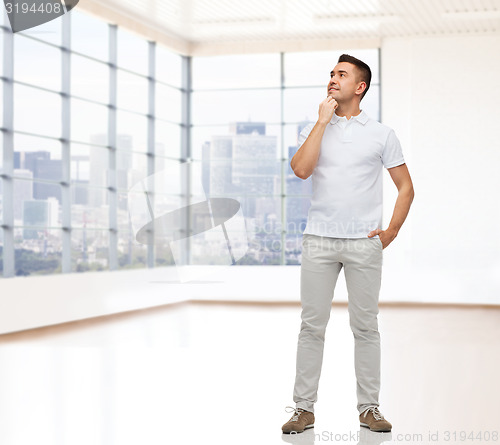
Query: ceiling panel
[201,23]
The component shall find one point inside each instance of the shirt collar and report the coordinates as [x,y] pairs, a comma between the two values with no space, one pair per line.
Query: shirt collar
[362,117]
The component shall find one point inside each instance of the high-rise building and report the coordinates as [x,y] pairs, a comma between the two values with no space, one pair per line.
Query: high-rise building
[23,191]
[41,214]
[98,171]
[248,128]
[29,159]
[47,169]
[98,174]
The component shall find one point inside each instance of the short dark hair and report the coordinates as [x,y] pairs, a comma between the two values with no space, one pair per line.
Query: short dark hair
[365,73]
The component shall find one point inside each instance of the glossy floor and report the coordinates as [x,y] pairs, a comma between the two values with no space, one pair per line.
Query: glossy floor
[224,373]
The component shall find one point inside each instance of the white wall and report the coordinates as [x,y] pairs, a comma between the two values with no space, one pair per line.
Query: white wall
[442,97]
[32,302]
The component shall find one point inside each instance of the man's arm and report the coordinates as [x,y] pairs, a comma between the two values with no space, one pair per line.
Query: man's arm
[401,177]
[306,158]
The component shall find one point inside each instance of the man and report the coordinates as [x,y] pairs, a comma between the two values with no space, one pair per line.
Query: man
[345,151]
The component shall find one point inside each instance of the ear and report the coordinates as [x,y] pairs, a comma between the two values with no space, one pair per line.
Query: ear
[361,88]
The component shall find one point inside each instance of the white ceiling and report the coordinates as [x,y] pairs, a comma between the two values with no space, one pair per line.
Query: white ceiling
[197,26]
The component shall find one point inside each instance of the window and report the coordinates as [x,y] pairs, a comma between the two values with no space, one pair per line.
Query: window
[242,133]
[89,35]
[99,177]
[245,130]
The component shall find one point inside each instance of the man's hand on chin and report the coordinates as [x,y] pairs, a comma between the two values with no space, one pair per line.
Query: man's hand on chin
[386,236]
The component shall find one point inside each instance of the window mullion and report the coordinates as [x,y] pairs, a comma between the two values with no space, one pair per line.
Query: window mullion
[112,192]
[65,146]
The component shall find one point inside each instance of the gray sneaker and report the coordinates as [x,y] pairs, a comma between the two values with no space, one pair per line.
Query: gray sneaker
[300,421]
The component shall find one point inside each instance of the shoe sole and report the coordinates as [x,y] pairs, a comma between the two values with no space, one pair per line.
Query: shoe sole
[377,431]
[298,432]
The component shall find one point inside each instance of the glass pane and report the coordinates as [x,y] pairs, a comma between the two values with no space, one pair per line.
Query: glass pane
[236,106]
[130,168]
[40,156]
[163,254]
[23,191]
[131,254]
[296,214]
[293,250]
[211,247]
[89,35]
[262,230]
[49,32]
[168,66]
[37,251]
[264,249]
[87,209]
[37,63]
[161,165]
[313,68]
[258,176]
[132,92]
[132,131]
[168,103]
[168,229]
[216,142]
[132,52]
[89,250]
[36,203]
[89,79]
[88,164]
[89,122]
[261,224]
[168,139]
[1,101]
[1,46]
[155,196]
[302,104]
[37,111]
[291,132]
[166,180]
[236,71]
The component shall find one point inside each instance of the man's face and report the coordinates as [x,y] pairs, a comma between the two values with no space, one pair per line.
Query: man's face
[343,82]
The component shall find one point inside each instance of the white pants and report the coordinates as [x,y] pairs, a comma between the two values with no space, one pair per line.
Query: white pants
[322,260]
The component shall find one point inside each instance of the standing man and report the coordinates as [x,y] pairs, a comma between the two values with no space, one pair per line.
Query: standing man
[345,151]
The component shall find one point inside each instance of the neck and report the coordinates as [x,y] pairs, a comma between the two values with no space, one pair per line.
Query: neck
[348,110]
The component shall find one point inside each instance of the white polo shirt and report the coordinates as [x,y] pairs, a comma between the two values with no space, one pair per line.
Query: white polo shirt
[347,180]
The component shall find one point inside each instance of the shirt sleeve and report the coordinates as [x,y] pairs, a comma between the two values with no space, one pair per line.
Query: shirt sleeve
[392,155]
[304,134]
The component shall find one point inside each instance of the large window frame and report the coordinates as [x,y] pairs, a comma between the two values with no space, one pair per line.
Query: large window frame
[112,188]
[67,183]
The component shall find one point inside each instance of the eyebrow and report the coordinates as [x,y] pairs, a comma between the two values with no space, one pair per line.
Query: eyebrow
[339,71]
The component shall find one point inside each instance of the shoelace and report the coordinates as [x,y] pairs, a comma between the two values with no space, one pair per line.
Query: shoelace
[297,411]
[377,415]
